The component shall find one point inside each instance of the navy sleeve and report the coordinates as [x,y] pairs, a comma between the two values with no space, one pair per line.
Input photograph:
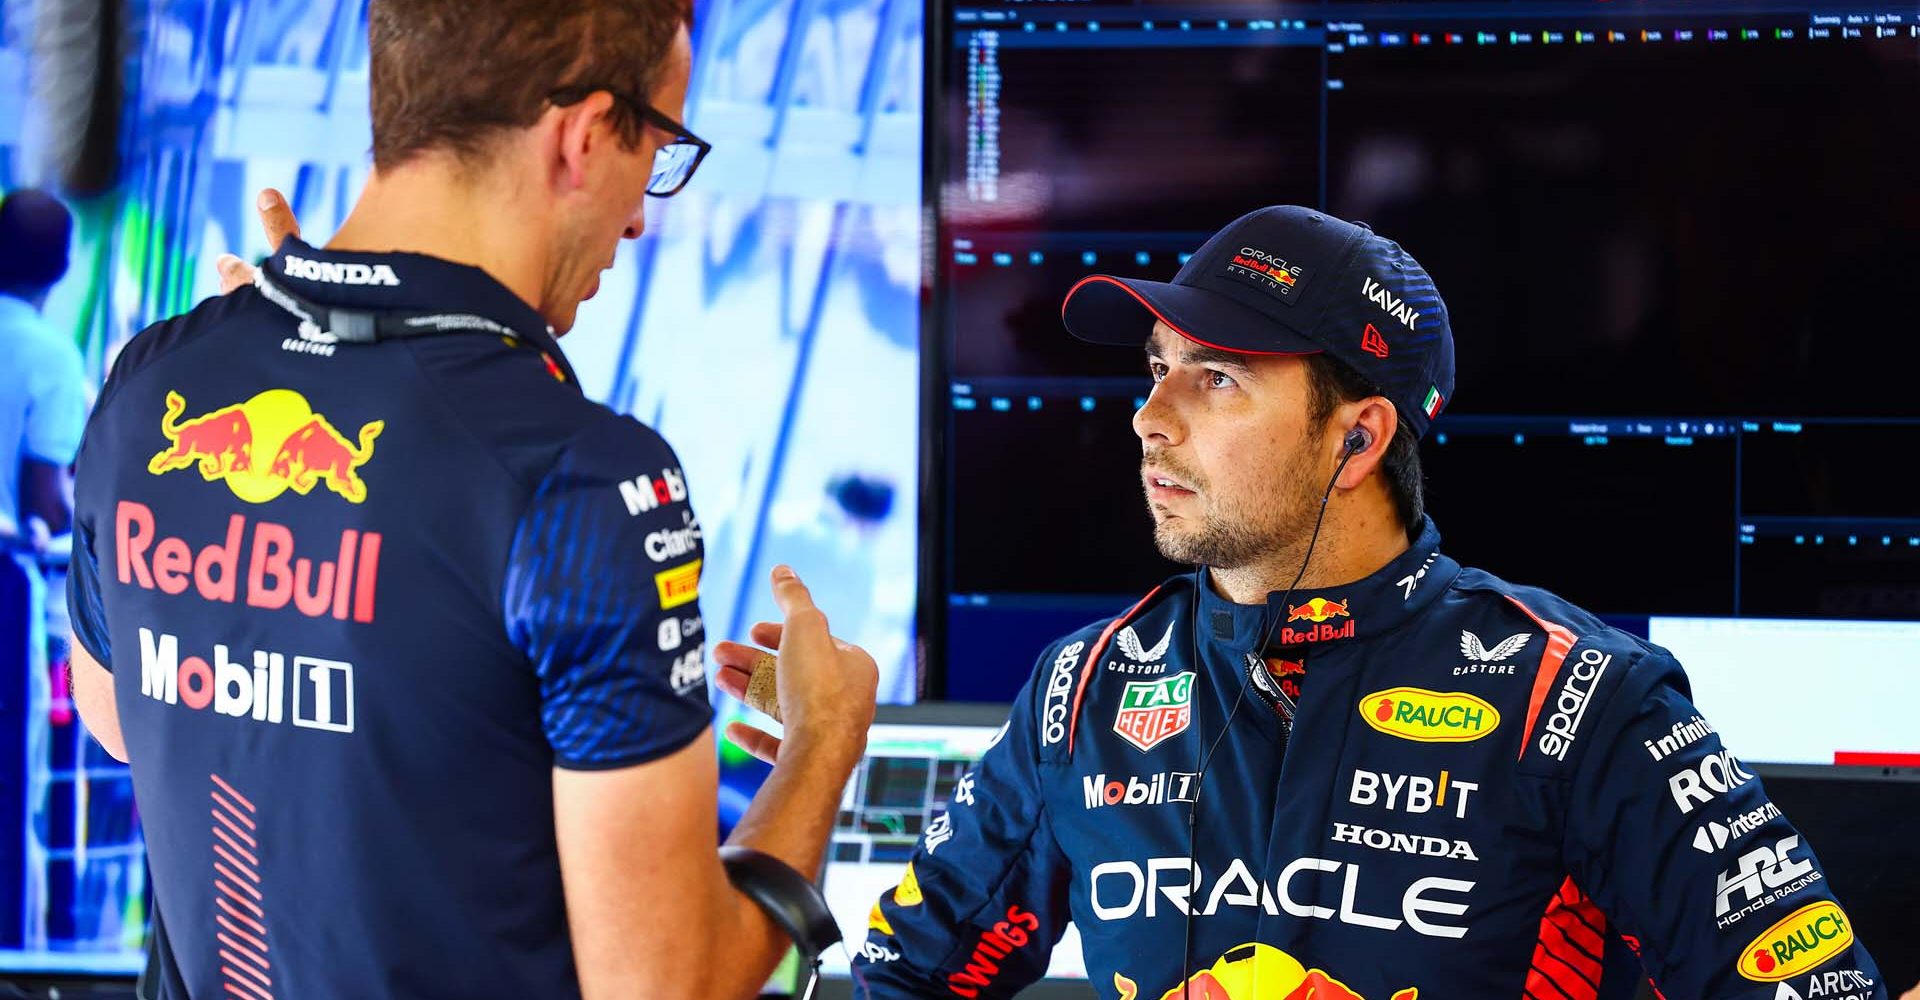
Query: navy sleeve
[88,614]
[984,899]
[1677,842]
[601,593]
[85,606]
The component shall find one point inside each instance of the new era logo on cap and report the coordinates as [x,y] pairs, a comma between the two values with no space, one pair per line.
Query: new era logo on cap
[1373,343]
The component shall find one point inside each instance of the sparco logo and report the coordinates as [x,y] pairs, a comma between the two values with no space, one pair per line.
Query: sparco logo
[1118,890]
[1394,305]
[336,273]
[1571,706]
[1059,685]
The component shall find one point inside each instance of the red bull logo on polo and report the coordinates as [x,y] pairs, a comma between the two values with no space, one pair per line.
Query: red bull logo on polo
[265,446]
[260,569]
[1257,972]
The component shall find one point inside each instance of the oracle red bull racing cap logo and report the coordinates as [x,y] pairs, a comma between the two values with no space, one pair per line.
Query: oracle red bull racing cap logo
[265,446]
[1257,972]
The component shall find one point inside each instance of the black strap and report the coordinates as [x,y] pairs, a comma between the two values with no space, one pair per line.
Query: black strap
[333,324]
[787,897]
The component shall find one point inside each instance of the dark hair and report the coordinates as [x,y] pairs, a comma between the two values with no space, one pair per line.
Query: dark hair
[454,74]
[1333,382]
[35,234]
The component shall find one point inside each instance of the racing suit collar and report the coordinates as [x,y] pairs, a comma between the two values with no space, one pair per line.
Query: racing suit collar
[408,282]
[1373,605]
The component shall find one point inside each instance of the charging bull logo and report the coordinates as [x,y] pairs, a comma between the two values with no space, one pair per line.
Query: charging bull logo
[1257,972]
[1317,610]
[228,444]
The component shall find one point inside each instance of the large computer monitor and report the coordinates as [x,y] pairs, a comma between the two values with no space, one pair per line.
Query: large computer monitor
[916,754]
[1677,245]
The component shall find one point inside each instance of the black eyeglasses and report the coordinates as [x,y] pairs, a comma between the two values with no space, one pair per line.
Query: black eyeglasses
[675,162]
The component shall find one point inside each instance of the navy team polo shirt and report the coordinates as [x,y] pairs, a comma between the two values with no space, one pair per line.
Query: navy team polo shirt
[359,600]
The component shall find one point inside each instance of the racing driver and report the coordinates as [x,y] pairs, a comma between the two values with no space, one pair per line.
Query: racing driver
[1331,762]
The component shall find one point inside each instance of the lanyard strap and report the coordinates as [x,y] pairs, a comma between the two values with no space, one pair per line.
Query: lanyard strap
[333,324]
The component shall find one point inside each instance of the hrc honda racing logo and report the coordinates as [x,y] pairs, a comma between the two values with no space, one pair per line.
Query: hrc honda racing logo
[313,694]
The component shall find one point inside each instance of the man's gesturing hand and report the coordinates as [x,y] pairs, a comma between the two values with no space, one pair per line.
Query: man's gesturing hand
[277,219]
[825,686]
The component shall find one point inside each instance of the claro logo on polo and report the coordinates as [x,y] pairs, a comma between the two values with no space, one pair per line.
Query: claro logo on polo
[672,543]
[1797,944]
[1429,716]
[336,273]
[1570,706]
[1121,890]
[321,691]
[1053,719]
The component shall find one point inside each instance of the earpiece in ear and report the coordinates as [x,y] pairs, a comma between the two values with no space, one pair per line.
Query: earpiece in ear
[1358,440]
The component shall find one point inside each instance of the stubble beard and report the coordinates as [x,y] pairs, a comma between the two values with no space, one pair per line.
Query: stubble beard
[1237,532]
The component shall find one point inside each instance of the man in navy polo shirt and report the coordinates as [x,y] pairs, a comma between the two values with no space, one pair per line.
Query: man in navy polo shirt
[400,633]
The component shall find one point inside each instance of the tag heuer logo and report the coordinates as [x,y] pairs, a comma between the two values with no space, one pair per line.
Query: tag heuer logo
[1151,712]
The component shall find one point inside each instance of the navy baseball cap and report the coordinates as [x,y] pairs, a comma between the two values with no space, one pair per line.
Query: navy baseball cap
[1288,280]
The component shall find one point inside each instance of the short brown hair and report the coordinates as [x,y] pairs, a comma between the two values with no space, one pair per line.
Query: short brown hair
[453,74]
[1332,383]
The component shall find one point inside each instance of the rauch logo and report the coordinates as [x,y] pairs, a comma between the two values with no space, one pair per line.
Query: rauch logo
[1429,716]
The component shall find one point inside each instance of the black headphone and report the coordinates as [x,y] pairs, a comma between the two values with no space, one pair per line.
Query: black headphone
[1357,440]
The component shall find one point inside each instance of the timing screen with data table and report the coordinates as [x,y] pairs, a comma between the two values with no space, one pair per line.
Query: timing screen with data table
[1675,250]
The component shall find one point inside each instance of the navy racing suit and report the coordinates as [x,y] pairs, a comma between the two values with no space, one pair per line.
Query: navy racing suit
[1436,785]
